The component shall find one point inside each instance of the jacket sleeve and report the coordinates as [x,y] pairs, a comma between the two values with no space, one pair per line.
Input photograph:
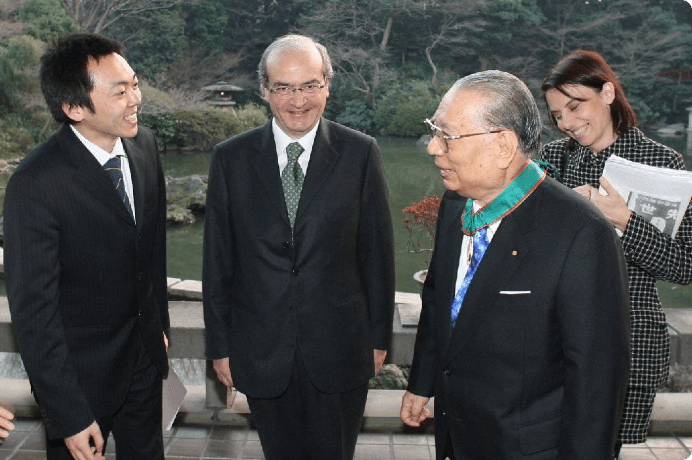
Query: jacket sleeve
[592,306]
[218,260]
[376,249]
[32,245]
[159,276]
[422,376]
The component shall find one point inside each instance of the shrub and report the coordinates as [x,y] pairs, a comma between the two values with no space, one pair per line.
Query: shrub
[404,106]
[357,115]
[421,218]
[201,130]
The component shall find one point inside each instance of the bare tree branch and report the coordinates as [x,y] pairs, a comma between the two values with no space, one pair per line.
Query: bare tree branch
[96,15]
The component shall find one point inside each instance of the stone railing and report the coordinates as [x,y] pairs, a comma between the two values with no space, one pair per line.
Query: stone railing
[671,412]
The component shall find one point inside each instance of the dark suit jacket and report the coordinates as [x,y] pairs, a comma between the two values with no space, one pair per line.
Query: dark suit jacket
[327,287]
[82,279]
[539,375]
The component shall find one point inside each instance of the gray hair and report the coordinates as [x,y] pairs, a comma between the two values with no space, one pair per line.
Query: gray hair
[292,42]
[510,105]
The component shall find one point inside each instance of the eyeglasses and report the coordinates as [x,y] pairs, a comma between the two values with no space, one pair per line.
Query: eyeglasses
[287,92]
[436,131]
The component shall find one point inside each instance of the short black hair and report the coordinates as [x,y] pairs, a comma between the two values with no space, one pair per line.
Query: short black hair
[64,77]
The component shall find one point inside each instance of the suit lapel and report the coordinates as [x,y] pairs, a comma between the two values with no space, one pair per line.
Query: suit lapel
[448,263]
[266,166]
[500,263]
[322,159]
[136,160]
[90,173]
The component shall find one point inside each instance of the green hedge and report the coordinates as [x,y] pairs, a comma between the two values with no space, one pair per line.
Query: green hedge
[202,129]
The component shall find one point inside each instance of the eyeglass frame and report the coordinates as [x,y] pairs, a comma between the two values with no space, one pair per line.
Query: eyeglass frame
[293,90]
[436,131]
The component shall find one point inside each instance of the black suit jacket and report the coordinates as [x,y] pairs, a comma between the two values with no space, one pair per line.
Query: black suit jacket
[537,364]
[82,279]
[327,287]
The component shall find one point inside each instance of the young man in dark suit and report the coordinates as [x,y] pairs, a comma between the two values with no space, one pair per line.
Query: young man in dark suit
[298,263]
[524,334]
[85,217]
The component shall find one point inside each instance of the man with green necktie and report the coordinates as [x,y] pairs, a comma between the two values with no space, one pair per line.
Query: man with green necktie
[299,263]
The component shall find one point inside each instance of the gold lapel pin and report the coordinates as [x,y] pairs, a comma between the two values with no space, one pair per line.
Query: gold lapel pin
[514,253]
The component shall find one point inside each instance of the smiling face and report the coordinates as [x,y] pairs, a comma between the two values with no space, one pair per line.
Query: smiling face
[296,68]
[115,97]
[471,165]
[584,114]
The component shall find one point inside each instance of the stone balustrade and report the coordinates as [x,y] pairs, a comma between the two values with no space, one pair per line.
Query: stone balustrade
[187,341]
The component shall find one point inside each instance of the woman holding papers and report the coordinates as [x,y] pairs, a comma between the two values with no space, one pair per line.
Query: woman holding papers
[587,103]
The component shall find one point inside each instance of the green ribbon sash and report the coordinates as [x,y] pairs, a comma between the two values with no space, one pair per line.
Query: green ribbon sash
[522,185]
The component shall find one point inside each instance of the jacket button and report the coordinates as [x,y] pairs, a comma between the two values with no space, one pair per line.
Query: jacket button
[447,371]
[285,245]
[294,272]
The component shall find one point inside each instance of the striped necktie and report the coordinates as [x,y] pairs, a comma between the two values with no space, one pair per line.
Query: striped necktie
[114,171]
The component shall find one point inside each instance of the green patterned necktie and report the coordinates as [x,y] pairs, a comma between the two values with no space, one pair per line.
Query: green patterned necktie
[292,179]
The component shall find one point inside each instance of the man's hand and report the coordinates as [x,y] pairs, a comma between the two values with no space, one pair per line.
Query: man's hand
[223,371]
[6,424]
[80,447]
[380,356]
[413,410]
[165,341]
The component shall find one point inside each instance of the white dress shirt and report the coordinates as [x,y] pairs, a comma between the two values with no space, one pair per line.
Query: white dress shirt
[102,157]
[282,140]
[463,264]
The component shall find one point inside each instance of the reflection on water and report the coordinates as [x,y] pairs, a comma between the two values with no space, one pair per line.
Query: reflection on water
[411,175]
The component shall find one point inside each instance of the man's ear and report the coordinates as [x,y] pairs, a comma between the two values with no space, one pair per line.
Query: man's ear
[74,112]
[508,145]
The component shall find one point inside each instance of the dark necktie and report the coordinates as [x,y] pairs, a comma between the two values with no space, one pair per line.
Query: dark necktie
[292,178]
[112,168]
[480,244]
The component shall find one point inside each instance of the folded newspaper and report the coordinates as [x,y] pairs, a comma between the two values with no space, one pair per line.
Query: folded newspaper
[174,392]
[659,195]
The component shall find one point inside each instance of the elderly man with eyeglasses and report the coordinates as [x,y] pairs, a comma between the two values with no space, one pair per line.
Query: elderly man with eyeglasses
[523,337]
[299,263]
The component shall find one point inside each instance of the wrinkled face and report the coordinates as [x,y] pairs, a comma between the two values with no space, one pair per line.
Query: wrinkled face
[115,97]
[469,166]
[297,114]
[584,114]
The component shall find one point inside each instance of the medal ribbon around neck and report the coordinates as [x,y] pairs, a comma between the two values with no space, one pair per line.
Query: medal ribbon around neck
[522,185]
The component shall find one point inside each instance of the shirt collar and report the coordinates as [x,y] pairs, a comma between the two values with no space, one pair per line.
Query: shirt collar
[100,154]
[281,139]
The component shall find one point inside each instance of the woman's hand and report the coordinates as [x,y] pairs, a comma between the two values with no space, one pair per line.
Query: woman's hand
[612,205]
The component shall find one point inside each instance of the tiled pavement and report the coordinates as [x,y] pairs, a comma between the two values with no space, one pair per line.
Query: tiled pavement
[196,441]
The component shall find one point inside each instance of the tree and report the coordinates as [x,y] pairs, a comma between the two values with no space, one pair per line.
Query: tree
[97,15]
[22,51]
[154,41]
[47,19]
[357,34]
[452,26]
